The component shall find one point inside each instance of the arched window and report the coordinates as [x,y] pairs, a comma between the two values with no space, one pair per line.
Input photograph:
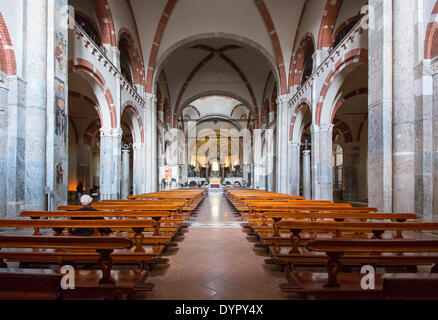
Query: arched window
[338,162]
[346,29]
[125,61]
[308,60]
[89,28]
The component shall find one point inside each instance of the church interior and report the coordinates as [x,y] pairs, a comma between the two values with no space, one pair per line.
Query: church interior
[219,150]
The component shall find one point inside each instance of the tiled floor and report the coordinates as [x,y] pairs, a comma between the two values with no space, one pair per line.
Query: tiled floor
[216,261]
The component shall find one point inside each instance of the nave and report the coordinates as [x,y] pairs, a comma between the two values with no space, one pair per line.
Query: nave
[216,261]
[235,244]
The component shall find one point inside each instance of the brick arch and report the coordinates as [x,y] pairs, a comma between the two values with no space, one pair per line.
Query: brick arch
[354,19]
[292,58]
[131,106]
[264,114]
[7,54]
[106,22]
[344,129]
[237,107]
[87,67]
[274,99]
[303,50]
[131,11]
[302,104]
[79,95]
[196,110]
[353,56]
[344,99]
[328,22]
[431,40]
[206,60]
[166,110]
[270,26]
[134,56]
[91,132]
[157,42]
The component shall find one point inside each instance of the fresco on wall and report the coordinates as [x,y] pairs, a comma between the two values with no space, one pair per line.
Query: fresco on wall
[60,114]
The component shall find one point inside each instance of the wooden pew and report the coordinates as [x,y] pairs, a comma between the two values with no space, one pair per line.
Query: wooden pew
[368,252]
[139,253]
[102,282]
[19,284]
[163,232]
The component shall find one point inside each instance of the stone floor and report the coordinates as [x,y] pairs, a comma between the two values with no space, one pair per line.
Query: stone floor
[216,261]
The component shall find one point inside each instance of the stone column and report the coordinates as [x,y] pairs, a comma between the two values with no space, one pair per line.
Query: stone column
[257,155]
[269,140]
[125,174]
[350,172]
[106,163]
[150,143]
[3,147]
[307,187]
[282,142]
[380,107]
[117,163]
[138,170]
[36,104]
[322,162]
[294,168]
[403,107]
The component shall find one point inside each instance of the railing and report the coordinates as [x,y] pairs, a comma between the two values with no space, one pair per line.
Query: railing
[331,51]
[103,51]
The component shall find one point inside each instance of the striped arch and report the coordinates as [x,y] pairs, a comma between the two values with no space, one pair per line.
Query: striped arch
[106,22]
[264,12]
[299,111]
[157,42]
[195,109]
[74,94]
[134,56]
[292,58]
[342,100]
[82,65]
[137,122]
[353,56]
[237,107]
[7,54]
[90,133]
[354,19]
[431,40]
[302,51]
[328,22]
[343,129]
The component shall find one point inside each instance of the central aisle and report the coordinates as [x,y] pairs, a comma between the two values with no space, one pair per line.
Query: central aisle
[216,261]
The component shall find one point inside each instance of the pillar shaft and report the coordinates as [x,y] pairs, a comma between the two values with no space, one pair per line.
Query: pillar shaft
[150,144]
[403,107]
[282,142]
[294,168]
[36,103]
[306,175]
[380,111]
[257,154]
[126,174]
[322,162]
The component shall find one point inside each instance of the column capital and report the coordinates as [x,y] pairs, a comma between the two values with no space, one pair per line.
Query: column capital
[294,144]
[321,127]
[286,98]
[138,146]
[306,152]
[126,151]
[106,132]
[111,132]
[150,98]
